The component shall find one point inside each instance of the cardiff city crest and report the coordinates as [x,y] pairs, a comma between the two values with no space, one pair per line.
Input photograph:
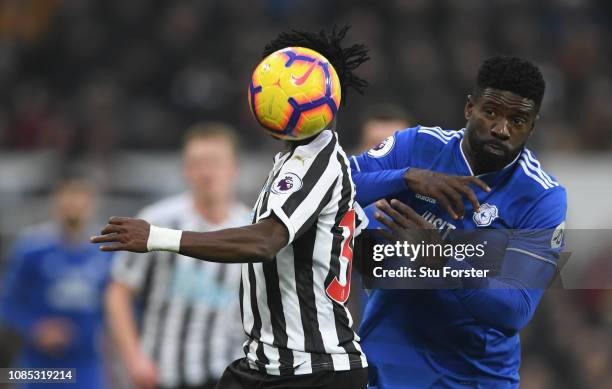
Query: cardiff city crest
[486,215]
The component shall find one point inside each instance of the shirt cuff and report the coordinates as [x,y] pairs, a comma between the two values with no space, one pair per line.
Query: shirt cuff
[278,211]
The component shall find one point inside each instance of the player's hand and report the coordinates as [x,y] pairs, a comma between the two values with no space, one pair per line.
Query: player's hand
[53,335]
[447,190]
[143,372]
[405,225]
[124,233]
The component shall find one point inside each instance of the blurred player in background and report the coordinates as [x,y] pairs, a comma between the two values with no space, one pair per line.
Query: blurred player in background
[52,293]
[380,122]
[188,332]
[296,254]
[468,336]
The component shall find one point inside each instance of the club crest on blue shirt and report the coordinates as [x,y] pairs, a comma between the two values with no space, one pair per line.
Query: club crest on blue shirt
[286,183]
[382,148]
[486,215]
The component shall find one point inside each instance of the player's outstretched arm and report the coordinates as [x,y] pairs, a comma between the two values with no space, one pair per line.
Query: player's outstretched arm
[450,191]
[258,242]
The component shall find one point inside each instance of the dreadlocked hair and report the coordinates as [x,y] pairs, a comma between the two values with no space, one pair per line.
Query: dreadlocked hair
[344,60]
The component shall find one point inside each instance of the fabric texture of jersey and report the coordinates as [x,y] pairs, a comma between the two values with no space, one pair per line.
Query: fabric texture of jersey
[462,337]
[190,323]
[293,307]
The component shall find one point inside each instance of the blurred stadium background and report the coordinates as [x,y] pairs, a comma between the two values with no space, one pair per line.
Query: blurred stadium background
[108,87]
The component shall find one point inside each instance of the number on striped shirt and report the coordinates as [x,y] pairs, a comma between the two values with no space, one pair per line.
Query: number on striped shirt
[337,290]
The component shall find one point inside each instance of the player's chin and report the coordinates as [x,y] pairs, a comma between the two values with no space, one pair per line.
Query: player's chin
[493,160]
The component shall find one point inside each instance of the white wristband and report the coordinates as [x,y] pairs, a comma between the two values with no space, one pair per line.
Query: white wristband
[164,239]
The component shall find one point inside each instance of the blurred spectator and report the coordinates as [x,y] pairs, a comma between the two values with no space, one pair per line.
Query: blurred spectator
[568,345]
[53,287]
[379,122]
[190,327]
[382,121]
[160,65]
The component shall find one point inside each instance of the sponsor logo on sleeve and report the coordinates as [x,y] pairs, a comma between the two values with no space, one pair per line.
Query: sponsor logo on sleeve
[425,198]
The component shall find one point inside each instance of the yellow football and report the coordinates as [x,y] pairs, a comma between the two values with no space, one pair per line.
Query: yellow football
[294,93]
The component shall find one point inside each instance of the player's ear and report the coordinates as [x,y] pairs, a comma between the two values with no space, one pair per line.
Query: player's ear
[532,129]
[535,117]
[469,106]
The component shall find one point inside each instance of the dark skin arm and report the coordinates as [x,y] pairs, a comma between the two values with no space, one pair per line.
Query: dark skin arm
[405,225]
[447,190]
[258,242]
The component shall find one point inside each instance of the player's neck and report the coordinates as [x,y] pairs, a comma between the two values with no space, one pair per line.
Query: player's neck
[214,211]
[292,145]
[476,168]
[469,156]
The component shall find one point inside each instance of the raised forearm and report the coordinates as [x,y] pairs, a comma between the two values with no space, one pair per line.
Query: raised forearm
[502,305]
[373,186]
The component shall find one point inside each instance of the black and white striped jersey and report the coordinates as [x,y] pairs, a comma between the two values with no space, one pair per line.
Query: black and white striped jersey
[293,307]
[190,322]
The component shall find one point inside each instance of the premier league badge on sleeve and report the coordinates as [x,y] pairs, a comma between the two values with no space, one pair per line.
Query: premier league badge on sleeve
[286,183]
[558,236]
[382,148]
[486,215]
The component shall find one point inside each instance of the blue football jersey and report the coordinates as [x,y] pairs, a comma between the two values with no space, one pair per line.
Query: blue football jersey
[48,277]
[464,337]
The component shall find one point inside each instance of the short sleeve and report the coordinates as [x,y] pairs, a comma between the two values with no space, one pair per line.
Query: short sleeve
[303,187]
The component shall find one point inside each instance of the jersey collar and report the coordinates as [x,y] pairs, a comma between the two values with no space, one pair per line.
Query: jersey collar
[317,143]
